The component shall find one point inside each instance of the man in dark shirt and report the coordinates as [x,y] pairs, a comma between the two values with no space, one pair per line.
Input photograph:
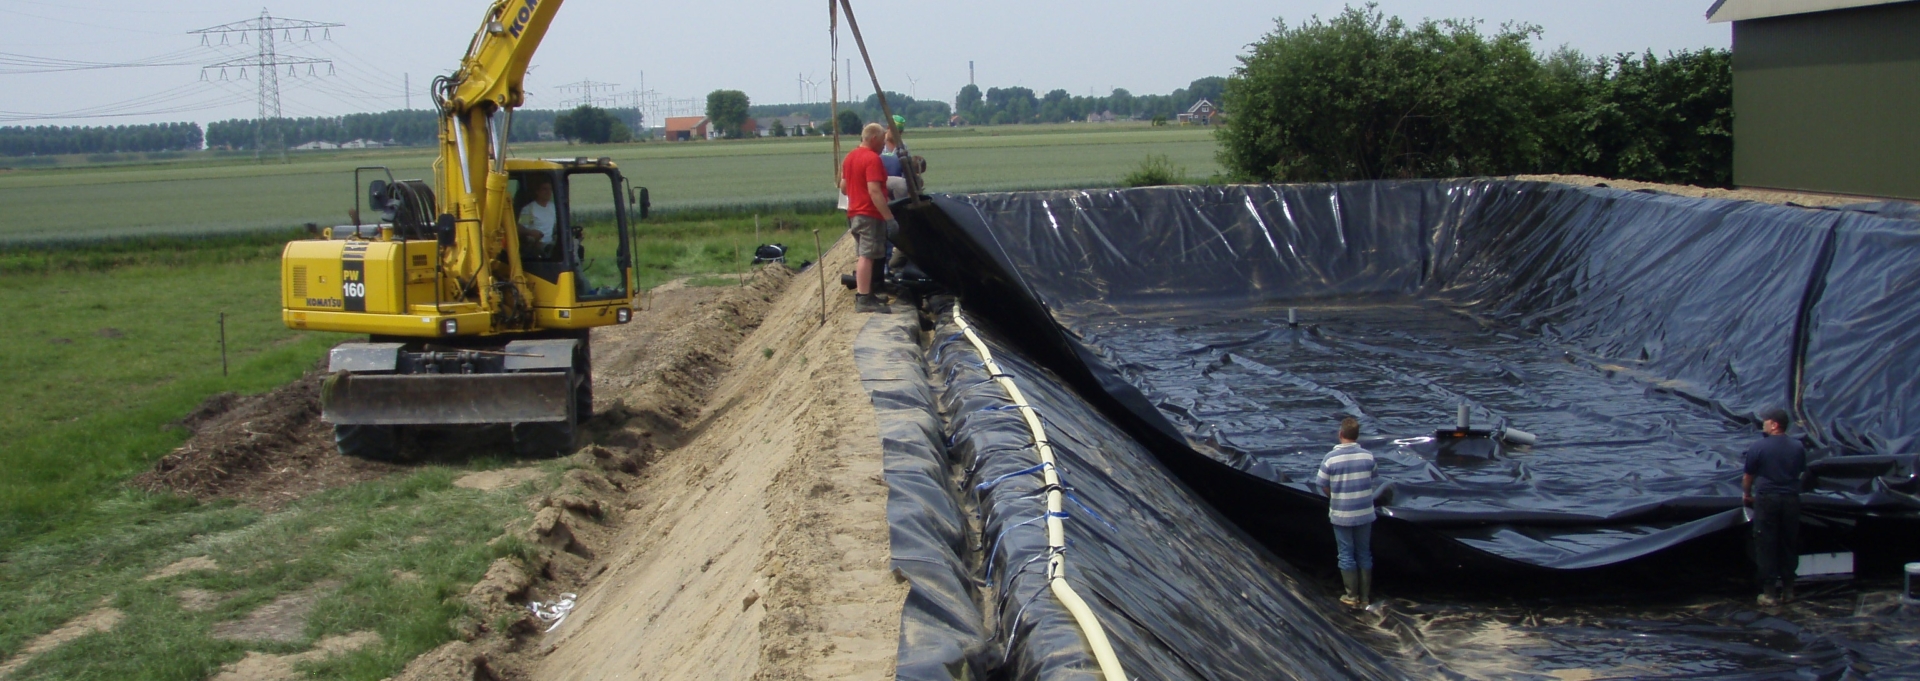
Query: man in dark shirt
[1771,486]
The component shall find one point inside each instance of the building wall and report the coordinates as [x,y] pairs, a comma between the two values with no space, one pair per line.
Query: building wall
[1829,102]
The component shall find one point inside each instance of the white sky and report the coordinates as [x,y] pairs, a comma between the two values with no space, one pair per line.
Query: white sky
[687,49]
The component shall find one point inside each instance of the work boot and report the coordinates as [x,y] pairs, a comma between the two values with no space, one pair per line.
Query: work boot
[1786,595]
[1352,580]
[870,303]
[1366,587]
[1769,596]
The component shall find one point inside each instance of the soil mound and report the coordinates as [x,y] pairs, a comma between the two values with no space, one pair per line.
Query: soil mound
[262,450]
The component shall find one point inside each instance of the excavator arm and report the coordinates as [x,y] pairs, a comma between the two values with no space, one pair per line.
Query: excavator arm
[476,111]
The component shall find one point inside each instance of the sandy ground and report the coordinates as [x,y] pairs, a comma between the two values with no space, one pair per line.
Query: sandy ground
[757,547]
[1761,195]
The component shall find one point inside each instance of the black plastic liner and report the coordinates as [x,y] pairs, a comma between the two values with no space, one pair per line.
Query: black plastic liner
[1637,334]
[941,636]
[1180,592]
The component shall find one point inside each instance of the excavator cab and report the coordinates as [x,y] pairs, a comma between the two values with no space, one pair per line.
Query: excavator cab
[574,231]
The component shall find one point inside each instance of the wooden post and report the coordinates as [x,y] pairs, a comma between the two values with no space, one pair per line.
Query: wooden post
[820,264]
[223,344]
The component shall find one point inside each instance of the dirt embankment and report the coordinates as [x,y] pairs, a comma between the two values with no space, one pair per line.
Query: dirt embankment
[758,547]
[731,519]
[264,450]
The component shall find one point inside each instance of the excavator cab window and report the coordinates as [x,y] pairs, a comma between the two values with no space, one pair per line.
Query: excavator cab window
[539,209]
[597,222]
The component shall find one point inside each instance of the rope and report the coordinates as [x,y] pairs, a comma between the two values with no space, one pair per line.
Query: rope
[1083,615]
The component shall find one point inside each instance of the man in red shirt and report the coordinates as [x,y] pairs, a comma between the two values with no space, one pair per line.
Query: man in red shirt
[864,179]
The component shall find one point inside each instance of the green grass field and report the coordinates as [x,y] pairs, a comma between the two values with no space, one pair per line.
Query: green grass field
[196,195]
[113,278]
[111,341]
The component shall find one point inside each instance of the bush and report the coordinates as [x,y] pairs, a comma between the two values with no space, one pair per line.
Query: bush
[1363,96]
[1367,97]
[1157,170]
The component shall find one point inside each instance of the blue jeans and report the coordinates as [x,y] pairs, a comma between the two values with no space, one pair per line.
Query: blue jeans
[1356,546]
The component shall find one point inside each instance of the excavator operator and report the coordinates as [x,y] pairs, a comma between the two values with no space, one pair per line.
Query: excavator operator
[537,218]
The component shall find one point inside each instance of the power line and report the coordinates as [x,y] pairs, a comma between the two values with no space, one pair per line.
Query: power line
[586,88]
[267,61]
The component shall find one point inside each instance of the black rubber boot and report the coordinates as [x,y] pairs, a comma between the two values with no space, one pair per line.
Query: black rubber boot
[1352,580]
[870,303]
[1366,587]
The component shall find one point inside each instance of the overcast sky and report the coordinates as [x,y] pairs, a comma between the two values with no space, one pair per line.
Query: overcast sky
[686,49]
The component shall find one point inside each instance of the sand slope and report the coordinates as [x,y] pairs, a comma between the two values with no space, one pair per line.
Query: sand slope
[757,548]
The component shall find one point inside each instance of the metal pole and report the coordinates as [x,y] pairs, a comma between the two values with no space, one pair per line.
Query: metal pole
[820,263]
[223,344]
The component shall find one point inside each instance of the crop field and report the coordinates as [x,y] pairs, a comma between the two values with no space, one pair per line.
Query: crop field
[198,196]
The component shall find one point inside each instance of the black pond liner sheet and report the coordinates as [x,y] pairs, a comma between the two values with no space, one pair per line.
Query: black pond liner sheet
[1180,592]
[1637,334]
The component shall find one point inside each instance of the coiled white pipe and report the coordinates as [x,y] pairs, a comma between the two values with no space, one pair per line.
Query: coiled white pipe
[1056,530]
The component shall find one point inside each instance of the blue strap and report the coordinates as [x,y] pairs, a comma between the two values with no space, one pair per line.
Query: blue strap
[994,548]
[1083,507]
[985,486]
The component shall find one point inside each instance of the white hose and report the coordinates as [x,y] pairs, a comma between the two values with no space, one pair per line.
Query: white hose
[1056,531]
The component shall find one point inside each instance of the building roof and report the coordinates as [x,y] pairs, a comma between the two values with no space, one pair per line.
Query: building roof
[684,122]
[1741,10]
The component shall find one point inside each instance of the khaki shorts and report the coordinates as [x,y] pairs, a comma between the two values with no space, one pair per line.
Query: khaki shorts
[869,237]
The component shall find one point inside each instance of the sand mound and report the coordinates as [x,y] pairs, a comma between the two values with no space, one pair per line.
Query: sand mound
[756,548]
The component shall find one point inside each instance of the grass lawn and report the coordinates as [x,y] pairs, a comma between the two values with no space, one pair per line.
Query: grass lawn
[113,333]
[226,194]
[110,341]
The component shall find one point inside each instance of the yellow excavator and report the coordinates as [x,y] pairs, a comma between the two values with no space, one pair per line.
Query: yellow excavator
[476,290]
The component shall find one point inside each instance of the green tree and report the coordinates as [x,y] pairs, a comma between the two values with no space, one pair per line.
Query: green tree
[727,112]
[1662,120]
[967,103]
[1365,97]
[591,125]
[778,129]
[849,122]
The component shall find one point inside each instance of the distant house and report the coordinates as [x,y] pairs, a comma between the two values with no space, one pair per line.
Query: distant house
[315,145]
[685,128]
[955,121]
[1824,94]
[1202,112]
[764,125]
[362,144]
[1102,117]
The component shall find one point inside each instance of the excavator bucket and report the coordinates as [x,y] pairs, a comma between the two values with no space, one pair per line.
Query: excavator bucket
[534,385]
[433,399]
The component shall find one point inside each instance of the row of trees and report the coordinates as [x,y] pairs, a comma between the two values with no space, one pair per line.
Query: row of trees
[918,112]
[998,106]
[412,127]
[1363,96]
[48,140]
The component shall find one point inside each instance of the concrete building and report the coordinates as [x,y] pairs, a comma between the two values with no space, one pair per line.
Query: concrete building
[1825,94]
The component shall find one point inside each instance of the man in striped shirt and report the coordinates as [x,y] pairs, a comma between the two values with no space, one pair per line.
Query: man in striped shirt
[1346,477]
